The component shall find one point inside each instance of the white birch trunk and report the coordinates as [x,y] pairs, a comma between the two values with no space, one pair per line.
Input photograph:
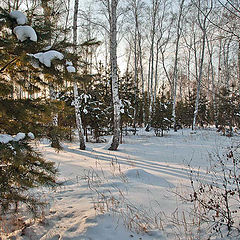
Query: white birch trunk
[175,71]
[151,63]
[238,63]
[75,89]
[141,69]
[156,75]
[210,51]
[135,76]
[199,80]
[113,59]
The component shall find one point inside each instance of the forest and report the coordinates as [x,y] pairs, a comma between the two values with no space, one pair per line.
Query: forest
[109,81]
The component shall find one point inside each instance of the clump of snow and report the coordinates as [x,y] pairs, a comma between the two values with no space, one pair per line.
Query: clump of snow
[85,97]
[47,57]
[31,135]
[19,17]
[71,69]
[19,137]
[47,48]
[25,32]
[85,111]
[5,138]
[69,63]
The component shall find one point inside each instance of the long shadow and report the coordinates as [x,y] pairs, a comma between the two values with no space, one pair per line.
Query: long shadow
[160,168]
[178,170]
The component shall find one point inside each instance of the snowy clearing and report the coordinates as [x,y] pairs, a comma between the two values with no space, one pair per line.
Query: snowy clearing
[102,188]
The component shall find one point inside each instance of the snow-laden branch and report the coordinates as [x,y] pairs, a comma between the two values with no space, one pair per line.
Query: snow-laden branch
[47,57]
[20,18]
[25,32]
[6,138]
[71,69]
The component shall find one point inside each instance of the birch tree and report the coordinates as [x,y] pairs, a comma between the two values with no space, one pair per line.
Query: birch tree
[136,10]
[155,8]
[203,24]
[112,11]
[163,29]
[75,88]
[175,70]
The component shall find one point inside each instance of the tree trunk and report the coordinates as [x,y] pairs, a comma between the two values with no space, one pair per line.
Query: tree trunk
[75,88]
[156,74]
[213,84]
[113,59]
[199,80]
[175,71]
[238,62]
[151,60]
[135,77]
[141,69]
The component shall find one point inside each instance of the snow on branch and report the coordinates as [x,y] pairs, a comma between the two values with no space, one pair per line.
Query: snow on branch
[25,32]
[6,138]
[69,63]
[47,57]
[19,17]
[71,69]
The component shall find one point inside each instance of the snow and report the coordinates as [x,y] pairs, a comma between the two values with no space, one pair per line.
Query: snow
[47,48]
[71,69]
[47,57]
[85,111]
[103,190]
[31,135]
[5,138]
[19,137]
[25,32]
[19,17]
[85,97]
[69,63]
[144,177]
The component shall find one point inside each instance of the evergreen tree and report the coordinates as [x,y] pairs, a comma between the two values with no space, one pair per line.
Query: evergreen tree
[161,116]
[185,110]
[25,110]
[228,109]
[22,168]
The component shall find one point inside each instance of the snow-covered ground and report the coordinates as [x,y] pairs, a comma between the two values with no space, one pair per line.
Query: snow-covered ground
[127,194]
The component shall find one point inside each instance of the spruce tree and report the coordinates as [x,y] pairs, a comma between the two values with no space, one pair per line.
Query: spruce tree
[25,112]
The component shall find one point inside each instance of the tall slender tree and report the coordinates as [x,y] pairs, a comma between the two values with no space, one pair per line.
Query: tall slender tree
[112,6]
[203,23]
[75,88]
[175,70]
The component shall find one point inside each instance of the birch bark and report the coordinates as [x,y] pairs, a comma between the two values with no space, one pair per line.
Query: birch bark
[114,75]
[75,88]
[203,26]
[175,70]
